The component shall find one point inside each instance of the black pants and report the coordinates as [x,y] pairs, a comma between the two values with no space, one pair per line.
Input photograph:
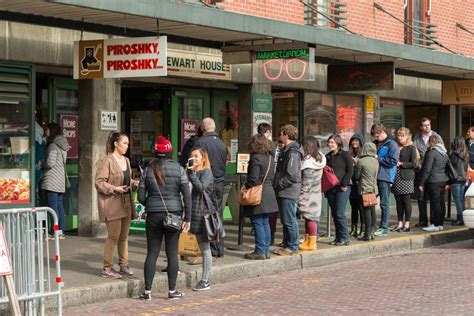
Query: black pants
[217,248]
[356,211]
[154,236]
[403,207]
[369,220]
[435,193]
[421,199]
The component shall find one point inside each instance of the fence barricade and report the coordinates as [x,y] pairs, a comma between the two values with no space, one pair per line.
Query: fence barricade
[26,231]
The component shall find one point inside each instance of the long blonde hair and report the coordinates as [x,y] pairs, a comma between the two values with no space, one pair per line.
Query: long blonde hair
[206,164]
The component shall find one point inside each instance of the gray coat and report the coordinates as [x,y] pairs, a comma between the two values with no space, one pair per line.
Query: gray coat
[434,165]
[421,146]
[310,202]
[53,178]
[287,182]
[258,165]
[203,187]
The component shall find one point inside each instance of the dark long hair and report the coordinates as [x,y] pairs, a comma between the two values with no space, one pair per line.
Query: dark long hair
[156,164]
[311,148]
[458,146]
[259,144]
[113,137]
[54,130]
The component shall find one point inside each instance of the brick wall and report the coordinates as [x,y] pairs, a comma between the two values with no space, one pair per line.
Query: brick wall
[284,10]
[364,19]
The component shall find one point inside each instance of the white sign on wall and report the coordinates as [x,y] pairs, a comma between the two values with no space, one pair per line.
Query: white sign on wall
[108,121]
[260,117]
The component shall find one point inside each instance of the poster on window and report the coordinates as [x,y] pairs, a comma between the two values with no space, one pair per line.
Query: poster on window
[258,118]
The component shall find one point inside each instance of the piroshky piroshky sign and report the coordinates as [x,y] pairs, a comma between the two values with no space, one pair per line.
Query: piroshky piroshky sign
[108,121]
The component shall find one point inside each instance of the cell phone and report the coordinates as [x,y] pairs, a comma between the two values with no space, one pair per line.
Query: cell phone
[126,187]
[190,163]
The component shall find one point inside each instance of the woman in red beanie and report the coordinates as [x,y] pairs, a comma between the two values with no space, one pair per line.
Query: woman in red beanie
[164,186]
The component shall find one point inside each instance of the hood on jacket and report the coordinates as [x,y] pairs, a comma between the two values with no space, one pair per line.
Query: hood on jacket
[310,163]
[369,149]
[296,147]
[61,142]
[440,148]
[358,136]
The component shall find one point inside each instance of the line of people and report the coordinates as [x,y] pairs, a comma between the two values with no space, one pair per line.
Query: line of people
[292,176]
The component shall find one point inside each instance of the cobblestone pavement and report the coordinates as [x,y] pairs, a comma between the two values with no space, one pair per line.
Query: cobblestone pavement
[434,281]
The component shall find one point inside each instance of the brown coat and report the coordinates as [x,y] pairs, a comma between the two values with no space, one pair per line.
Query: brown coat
[111,205]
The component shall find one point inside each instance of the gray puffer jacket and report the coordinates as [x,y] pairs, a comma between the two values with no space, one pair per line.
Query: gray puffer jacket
[287,182]
[53,178]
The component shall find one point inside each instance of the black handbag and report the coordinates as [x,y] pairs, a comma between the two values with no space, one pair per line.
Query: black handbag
[212,228]
[451,172]
[171,221]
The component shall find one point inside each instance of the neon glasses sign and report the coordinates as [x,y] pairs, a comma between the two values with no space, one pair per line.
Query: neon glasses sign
[284,66]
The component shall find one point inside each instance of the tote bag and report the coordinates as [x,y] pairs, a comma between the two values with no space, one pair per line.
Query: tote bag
[329,179]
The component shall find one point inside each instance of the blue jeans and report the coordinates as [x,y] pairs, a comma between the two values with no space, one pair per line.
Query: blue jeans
[289,222]
[458,196]
[384,193]
[55,201]
[337,200]
[261,229]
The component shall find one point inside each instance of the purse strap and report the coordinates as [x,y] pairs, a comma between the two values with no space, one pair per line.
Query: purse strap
[268,169]
[159,191]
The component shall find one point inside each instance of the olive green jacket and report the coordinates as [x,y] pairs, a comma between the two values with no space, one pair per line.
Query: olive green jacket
[366,169]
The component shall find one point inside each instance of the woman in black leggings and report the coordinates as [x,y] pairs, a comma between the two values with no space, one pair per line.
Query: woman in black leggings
[163,187]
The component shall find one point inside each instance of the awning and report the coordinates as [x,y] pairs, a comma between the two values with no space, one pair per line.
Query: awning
[218,27]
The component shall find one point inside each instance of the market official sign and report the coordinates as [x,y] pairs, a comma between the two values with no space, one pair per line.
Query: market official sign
[360,77]
[457,92]
[120,58]
[284,66]
[197,65]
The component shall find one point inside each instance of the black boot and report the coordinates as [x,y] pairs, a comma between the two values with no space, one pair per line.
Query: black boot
[353,231]
[458,222]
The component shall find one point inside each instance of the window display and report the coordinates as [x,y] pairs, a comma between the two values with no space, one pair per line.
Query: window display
[14,152]
[319,118]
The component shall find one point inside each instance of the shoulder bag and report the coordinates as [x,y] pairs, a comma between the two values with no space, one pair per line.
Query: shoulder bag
[451,172]
[253,196]
[369,199]
[212,228]
[171,221]
[329,179]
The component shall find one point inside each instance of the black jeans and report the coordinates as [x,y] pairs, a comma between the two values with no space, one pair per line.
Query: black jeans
[421,199]
[154,236]
[403,207]
[356,209]
[435,193]
[369,220]
[217,248]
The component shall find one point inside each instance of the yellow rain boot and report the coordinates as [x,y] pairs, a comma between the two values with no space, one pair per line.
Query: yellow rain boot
[304,244]
[310,245]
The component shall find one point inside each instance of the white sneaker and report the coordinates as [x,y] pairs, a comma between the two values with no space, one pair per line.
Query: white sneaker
[440,227]
[431,228]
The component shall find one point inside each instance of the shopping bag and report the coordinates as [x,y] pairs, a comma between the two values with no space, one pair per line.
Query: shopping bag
[188,245]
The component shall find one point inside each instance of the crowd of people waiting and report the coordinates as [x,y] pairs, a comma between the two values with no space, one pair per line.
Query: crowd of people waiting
[292,178]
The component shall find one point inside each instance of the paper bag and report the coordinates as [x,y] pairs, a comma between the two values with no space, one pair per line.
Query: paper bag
[188,245]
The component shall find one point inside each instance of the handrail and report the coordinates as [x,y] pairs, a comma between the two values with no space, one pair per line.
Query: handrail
[315,9]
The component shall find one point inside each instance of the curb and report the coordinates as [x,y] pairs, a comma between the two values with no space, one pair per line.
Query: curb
[250,269]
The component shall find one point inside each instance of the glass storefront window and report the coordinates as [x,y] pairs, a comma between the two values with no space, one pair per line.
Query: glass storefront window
[467,117]
[391,115]
[14,152]
[228,120]
[348,117]
[189,109]
[319,119]
[285,111]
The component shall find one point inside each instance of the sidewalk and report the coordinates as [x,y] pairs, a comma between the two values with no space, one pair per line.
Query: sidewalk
[81,261]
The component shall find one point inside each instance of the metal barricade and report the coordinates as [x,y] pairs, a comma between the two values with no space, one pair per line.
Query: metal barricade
[26,231]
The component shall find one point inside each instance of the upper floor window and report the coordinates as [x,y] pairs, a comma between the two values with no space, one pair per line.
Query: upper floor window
[325,13]
[417,16]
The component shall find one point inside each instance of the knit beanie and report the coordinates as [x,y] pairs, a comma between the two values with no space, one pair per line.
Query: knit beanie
[163,147]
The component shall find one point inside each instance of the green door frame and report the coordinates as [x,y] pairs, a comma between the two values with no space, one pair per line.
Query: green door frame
[176,94]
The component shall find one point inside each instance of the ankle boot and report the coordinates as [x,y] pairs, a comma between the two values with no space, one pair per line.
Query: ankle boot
[304,244]
[353,231]
[458,222]
[310,245]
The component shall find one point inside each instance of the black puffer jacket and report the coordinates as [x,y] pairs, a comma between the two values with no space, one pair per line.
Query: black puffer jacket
[176,185]
[287,183]
[434,166]
[202,196]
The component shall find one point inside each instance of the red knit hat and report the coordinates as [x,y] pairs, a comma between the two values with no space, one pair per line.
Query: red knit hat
[163,147]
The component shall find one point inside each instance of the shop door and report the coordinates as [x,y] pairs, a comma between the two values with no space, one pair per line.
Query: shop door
[63,108]
[226,114]
[189,107]
[413,114]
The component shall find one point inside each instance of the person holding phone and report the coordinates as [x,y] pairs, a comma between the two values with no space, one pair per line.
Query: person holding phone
[114,183]
[203,201]
[164,186]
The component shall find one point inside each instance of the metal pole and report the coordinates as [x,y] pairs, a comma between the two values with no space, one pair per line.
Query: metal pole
[449,203]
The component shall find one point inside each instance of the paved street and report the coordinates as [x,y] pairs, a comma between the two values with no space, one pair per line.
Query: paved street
[437,280]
